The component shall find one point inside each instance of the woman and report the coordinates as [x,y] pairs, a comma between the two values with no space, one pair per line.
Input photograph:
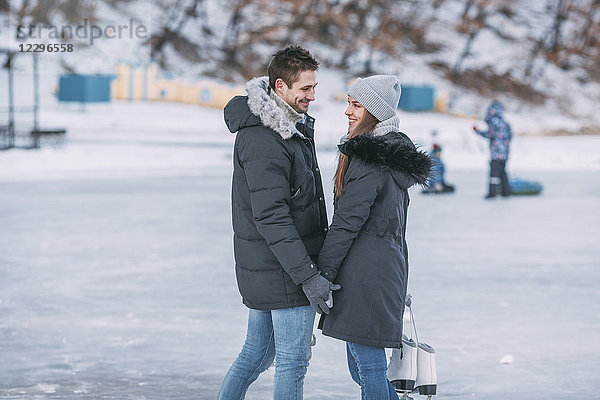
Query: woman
[365,251]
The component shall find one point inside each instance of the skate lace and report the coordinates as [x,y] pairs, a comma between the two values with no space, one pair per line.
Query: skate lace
[412,316]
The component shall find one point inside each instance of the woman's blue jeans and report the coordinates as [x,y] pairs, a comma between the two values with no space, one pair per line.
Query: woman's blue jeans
[368,368]
[282,335]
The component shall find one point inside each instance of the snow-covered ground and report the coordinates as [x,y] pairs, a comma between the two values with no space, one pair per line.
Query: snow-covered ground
[116,269]
[124,289]
[146,138]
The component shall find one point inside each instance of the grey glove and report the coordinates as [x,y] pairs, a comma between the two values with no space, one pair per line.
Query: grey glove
[317,291]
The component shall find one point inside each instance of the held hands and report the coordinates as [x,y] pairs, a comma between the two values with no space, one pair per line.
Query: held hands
[317,291]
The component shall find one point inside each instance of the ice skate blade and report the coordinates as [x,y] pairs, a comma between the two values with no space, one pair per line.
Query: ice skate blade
[403,385]
[429,390]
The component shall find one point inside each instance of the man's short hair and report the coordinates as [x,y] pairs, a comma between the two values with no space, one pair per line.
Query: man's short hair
[288,63]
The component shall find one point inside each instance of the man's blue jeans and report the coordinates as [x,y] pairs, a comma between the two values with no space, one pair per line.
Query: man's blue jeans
[281,335]
[368,368]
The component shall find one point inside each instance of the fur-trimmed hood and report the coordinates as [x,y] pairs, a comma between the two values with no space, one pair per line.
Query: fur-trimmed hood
[259,108]
[394,152]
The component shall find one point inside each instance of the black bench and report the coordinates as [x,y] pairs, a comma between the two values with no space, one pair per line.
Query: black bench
[56,135]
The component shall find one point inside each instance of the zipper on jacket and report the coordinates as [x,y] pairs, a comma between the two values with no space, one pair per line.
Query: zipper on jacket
[318,183]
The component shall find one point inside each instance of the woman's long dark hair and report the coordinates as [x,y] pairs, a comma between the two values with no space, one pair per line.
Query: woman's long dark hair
[366,126]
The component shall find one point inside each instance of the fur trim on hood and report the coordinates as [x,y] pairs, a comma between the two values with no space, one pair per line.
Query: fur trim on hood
[393,151]
[270,113]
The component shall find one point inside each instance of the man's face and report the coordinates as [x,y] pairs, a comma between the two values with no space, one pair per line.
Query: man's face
[301,93]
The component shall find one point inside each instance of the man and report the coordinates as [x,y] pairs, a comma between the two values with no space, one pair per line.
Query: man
[499,134]
[279,223]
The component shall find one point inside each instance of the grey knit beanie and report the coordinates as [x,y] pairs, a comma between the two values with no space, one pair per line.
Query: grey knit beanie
[379,94]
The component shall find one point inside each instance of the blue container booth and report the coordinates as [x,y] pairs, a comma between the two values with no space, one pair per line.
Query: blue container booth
[84,88]
[417,98]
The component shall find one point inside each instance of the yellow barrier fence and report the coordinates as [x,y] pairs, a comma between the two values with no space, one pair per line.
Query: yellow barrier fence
[142,83]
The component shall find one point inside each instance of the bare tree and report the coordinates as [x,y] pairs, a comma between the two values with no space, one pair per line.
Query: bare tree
[550,43]
[230,45]
[4,6]
[44,11]
[475,19]
[471,24]
[178,15]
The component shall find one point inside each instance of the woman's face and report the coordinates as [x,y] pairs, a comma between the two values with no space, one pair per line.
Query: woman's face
[355,113]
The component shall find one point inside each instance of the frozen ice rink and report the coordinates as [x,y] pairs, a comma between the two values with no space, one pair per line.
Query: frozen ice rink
[117,279]
[124,289]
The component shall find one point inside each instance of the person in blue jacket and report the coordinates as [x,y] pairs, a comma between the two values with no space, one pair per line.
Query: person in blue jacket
[436,182]
[499,134]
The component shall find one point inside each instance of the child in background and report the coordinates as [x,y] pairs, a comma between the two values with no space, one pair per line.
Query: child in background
[436,182]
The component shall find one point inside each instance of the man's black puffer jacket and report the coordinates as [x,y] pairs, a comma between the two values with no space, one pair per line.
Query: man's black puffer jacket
[279,215]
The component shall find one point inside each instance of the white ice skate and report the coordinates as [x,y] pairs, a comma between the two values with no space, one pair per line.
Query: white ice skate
[426,382]
[412,369]
[402,370]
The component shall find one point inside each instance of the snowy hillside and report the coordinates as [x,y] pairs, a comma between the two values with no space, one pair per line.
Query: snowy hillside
[539,57]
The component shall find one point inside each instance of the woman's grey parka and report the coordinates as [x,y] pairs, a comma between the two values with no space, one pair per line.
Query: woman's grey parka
[365,249]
